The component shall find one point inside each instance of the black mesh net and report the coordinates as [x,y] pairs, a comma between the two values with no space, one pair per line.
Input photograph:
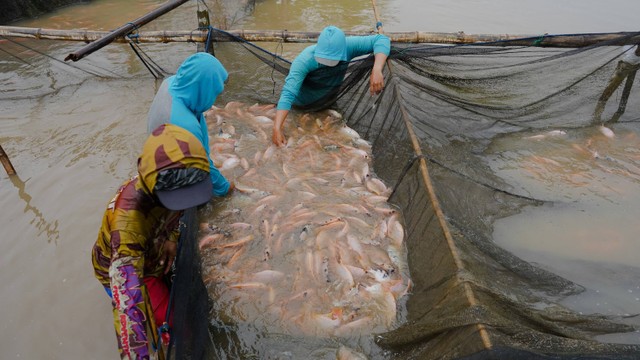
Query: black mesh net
[429,129]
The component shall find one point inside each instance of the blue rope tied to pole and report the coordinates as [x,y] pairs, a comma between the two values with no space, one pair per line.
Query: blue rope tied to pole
[538,41]
[208,42]
[378,25]
[135,37]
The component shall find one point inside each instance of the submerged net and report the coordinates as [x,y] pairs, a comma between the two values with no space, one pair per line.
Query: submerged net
[428,130]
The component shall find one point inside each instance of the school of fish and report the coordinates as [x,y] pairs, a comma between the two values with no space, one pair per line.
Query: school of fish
[307,243]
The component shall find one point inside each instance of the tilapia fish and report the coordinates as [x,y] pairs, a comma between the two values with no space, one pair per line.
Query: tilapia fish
[307,244]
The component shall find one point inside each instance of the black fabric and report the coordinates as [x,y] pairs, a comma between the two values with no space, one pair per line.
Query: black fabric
[172,179]
[190,337]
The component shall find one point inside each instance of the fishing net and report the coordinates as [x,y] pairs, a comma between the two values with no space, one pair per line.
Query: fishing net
[429,130]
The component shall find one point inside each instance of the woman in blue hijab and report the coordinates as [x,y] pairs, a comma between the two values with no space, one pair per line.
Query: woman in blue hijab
[184,97]
[333,49]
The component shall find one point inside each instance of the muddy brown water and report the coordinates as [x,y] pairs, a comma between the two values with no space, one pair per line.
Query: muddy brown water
[74,137]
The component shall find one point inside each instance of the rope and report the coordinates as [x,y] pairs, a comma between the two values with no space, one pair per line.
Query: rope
[134,37]
[241,40]
[156,70]
[280,47]
[133,47]
[17,57]
[135,27]
[62,62]
[208,41]
[131,34]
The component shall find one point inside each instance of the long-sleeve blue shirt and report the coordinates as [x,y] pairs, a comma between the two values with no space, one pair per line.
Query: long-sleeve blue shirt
[183,98]
[305,63]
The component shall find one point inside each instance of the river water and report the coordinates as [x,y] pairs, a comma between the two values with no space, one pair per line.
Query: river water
[73,137]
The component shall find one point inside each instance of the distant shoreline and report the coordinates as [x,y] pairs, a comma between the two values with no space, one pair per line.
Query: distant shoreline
[14,10]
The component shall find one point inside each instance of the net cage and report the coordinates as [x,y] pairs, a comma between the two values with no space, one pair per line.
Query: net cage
[429,128]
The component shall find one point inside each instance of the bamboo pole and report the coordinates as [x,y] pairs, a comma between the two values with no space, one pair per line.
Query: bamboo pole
[4,158]
[379,27]
[435,203]
[124,30]
[197,36]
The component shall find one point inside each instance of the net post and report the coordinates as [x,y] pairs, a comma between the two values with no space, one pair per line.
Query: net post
[205,23]
[6,163]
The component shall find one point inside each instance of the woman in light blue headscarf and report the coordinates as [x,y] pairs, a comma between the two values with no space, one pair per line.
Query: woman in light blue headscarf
[184,97]
[333,48]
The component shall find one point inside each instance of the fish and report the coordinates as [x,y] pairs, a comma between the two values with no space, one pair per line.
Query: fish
[308,243]
[246,189]
[222,147]
[395,231]
[355,327]
[248,286]
[385,211]
[376,186]
[209,241]
[229,163]
[324,322]
[268,153]
[325,239]
[342,272]
[361,144]
[238,242]
[334,114]
[241,226]
[244,163]
[267,276]
[606,132]
[345,353]
[260,108]
[236,256]
[352,134]
[547,134]
[263,120]
[358,152]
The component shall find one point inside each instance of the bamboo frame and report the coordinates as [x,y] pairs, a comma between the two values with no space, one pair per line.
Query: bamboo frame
[197,36]
[435,203]
[6,163]
[124,30]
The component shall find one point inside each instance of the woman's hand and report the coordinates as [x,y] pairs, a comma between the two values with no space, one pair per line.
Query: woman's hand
[168,256]
[278,137]
[376,83]
[278,128]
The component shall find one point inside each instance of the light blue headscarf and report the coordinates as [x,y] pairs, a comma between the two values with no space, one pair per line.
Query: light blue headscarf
[332,44]
[193,89]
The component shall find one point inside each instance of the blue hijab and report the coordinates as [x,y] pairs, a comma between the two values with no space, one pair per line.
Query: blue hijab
[194,88]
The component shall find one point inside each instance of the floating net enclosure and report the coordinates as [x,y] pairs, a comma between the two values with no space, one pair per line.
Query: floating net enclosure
[428,130]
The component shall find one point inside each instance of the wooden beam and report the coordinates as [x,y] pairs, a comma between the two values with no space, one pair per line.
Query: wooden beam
[198,36]
[124,30]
